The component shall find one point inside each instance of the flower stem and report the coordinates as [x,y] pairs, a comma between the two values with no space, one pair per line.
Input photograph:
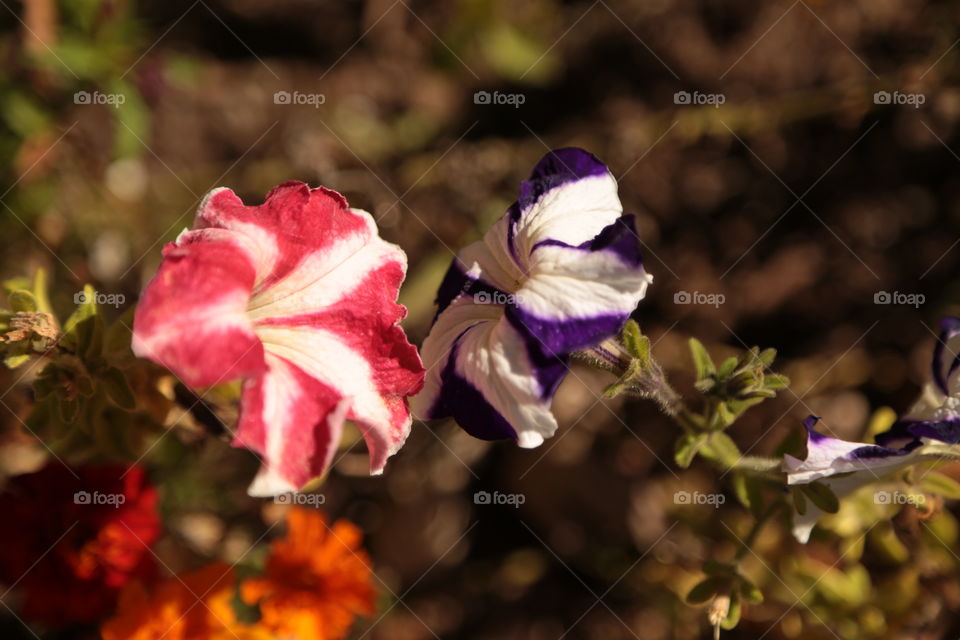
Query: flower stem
[747,543]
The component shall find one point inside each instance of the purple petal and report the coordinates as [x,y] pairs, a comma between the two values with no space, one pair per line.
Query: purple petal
[942,370]
[619,238]
[456,283]
[463,401]
[828,456]
[555,169]
[947,431]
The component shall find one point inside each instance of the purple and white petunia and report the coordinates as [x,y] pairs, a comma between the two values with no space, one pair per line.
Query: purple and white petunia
[560,272]
[841,465]
[936,414]
[930,429]
[828,456]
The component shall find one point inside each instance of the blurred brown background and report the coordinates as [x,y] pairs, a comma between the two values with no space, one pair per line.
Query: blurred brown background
[799,199]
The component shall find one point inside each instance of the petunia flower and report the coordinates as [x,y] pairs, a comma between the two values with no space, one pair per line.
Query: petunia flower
[74,538]
[843,466]
[935,416]
[296,296]
[317,580]
[930,429]
[560,272]
[828,456]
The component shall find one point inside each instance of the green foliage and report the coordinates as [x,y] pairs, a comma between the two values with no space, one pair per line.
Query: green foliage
[939,484]
[726,392]
[736,385]
[820,495]
[687,447]
[85,400]
[635,343]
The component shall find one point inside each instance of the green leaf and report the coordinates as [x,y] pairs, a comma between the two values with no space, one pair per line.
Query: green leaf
[706,385]
[708,588]
[776,381]
[749,490]
[46,382]
[799,502]
[636,344]
[118,389]
[12,284]
[843,588]
[616,388]
[727,367]
[940,484]
[24,114]
[767,356]
[22,301]
[722,449]
[12,362]
[701,359]
[86,308]
[40,292]
[884,539]
[822,496]
[86,340]
[722,416]
[687,447]
[793,443]
[117,339]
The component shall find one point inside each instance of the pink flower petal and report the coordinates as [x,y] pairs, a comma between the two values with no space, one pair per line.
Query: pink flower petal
[294,422]
[309,286]
[192,316]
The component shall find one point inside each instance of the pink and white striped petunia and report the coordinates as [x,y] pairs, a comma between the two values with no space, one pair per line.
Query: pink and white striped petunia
[560,272]
[297,297]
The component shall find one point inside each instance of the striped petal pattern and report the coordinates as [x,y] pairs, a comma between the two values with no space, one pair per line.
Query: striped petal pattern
[297,296]
[561,271]
[828,456]
[936,413]
[930,429]
[843,466]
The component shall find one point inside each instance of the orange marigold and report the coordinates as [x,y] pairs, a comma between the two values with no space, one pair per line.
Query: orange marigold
[192,606]
[73,537]
[317,580]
